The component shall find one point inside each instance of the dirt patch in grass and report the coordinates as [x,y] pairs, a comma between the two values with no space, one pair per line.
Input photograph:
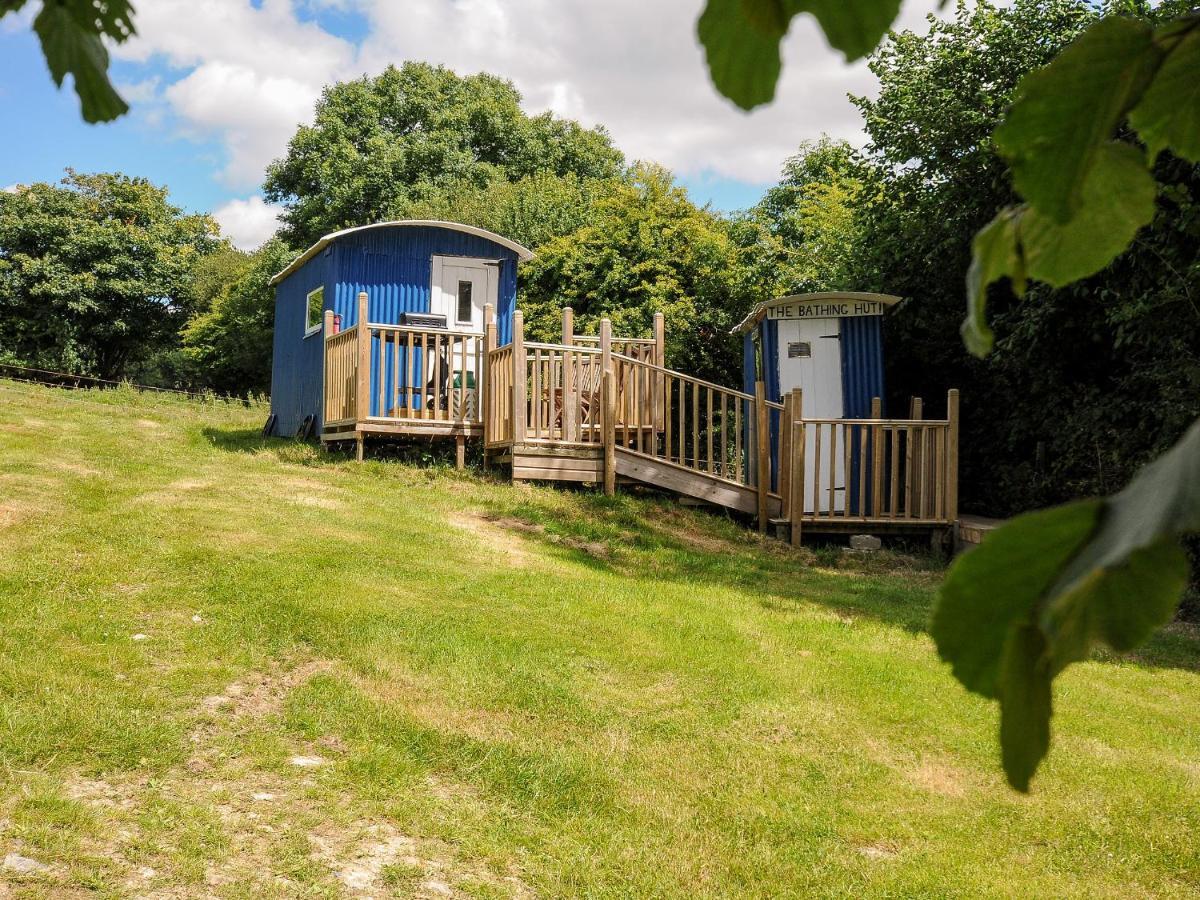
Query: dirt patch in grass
[489,532]
[938,777]
[13,512]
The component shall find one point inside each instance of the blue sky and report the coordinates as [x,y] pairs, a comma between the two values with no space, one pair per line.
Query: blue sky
[217,87]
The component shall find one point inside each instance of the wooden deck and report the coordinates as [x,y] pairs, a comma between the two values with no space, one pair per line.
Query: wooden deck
[602,409]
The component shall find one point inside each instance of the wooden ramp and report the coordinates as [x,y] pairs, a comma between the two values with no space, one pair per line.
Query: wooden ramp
[602,409]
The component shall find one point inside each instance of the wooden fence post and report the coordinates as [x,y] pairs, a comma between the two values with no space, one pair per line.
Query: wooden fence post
[762,444]
[796,463]
[568,326]
[608,424]
[520,384]
[784,452]
[483,390]
[876,458]
[326,334]
[362,372]
[952,457]
[660,340]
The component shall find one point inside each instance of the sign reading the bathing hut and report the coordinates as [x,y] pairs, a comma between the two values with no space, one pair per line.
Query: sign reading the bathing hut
[824,309]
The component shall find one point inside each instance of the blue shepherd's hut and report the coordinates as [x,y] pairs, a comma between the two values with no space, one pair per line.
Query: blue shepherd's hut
[435,276]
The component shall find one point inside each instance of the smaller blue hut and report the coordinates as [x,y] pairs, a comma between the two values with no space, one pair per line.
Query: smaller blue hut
[829,345]
[427,284]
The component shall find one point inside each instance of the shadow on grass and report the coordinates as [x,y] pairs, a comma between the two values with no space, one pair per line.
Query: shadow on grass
[641,535]
[655,536]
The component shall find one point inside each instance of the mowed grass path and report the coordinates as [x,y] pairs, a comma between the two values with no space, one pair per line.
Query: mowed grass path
[241,668]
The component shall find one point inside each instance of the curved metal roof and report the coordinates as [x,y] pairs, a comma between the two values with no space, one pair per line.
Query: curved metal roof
[756,314]
[523,253]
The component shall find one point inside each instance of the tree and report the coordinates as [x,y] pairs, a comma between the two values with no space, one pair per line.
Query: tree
[532,210]
[814,214]
[94,271]
[72,33]
[379,147]
[645,248]
[229,344]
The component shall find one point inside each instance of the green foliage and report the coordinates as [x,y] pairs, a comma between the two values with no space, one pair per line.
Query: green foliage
[228,346]
[531,210]
[94,272]
[1045,588]
[382,147]
[645,248]
[72,33]
[1061,407]
[813,215]
[741,38]
[1087,197]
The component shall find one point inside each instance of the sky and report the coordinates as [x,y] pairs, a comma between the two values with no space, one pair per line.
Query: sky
[217,88]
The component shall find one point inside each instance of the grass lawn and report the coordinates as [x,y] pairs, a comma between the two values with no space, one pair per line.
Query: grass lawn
[241,668]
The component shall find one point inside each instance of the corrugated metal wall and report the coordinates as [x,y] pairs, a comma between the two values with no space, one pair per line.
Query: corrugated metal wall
[862,364]
[296,360]
[394,266]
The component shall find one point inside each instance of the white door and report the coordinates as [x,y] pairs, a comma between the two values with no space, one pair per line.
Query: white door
[810,358]
[461,286]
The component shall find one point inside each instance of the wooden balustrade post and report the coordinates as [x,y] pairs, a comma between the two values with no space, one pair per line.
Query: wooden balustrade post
[796,482]
[660,340]
[952,457]
[608,425]
[784,452]
[362,372]
[796,465]
[568,326]
[876,458]
[520,383]
[660,360]
[762,444]
[326,334]
[483,389]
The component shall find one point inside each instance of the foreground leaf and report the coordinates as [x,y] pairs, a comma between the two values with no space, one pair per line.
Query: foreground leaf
[993,589]
[1117,200]
[1025,705]
[741,45]
[1169,112]
[1064,113]
[741,38]
[70,32]
[995,254]
[1044,589]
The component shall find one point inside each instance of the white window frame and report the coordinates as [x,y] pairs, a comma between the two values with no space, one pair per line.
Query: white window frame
[310,330]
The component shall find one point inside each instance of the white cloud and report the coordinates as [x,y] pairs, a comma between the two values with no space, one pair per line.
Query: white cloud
[10,189]
[636,67]
[248,223]
[250,75]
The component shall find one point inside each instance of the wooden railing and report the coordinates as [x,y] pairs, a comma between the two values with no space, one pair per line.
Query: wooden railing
[426,374]
[815,471]
[686,421]
[894,471]
[397,373]
[498,423]
[563,400]
[341,374]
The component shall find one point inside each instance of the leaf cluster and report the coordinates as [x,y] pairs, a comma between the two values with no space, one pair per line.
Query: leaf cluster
[72,35]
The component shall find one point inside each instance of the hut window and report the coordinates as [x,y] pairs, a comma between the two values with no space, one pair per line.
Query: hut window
[316,309]
[465,307]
